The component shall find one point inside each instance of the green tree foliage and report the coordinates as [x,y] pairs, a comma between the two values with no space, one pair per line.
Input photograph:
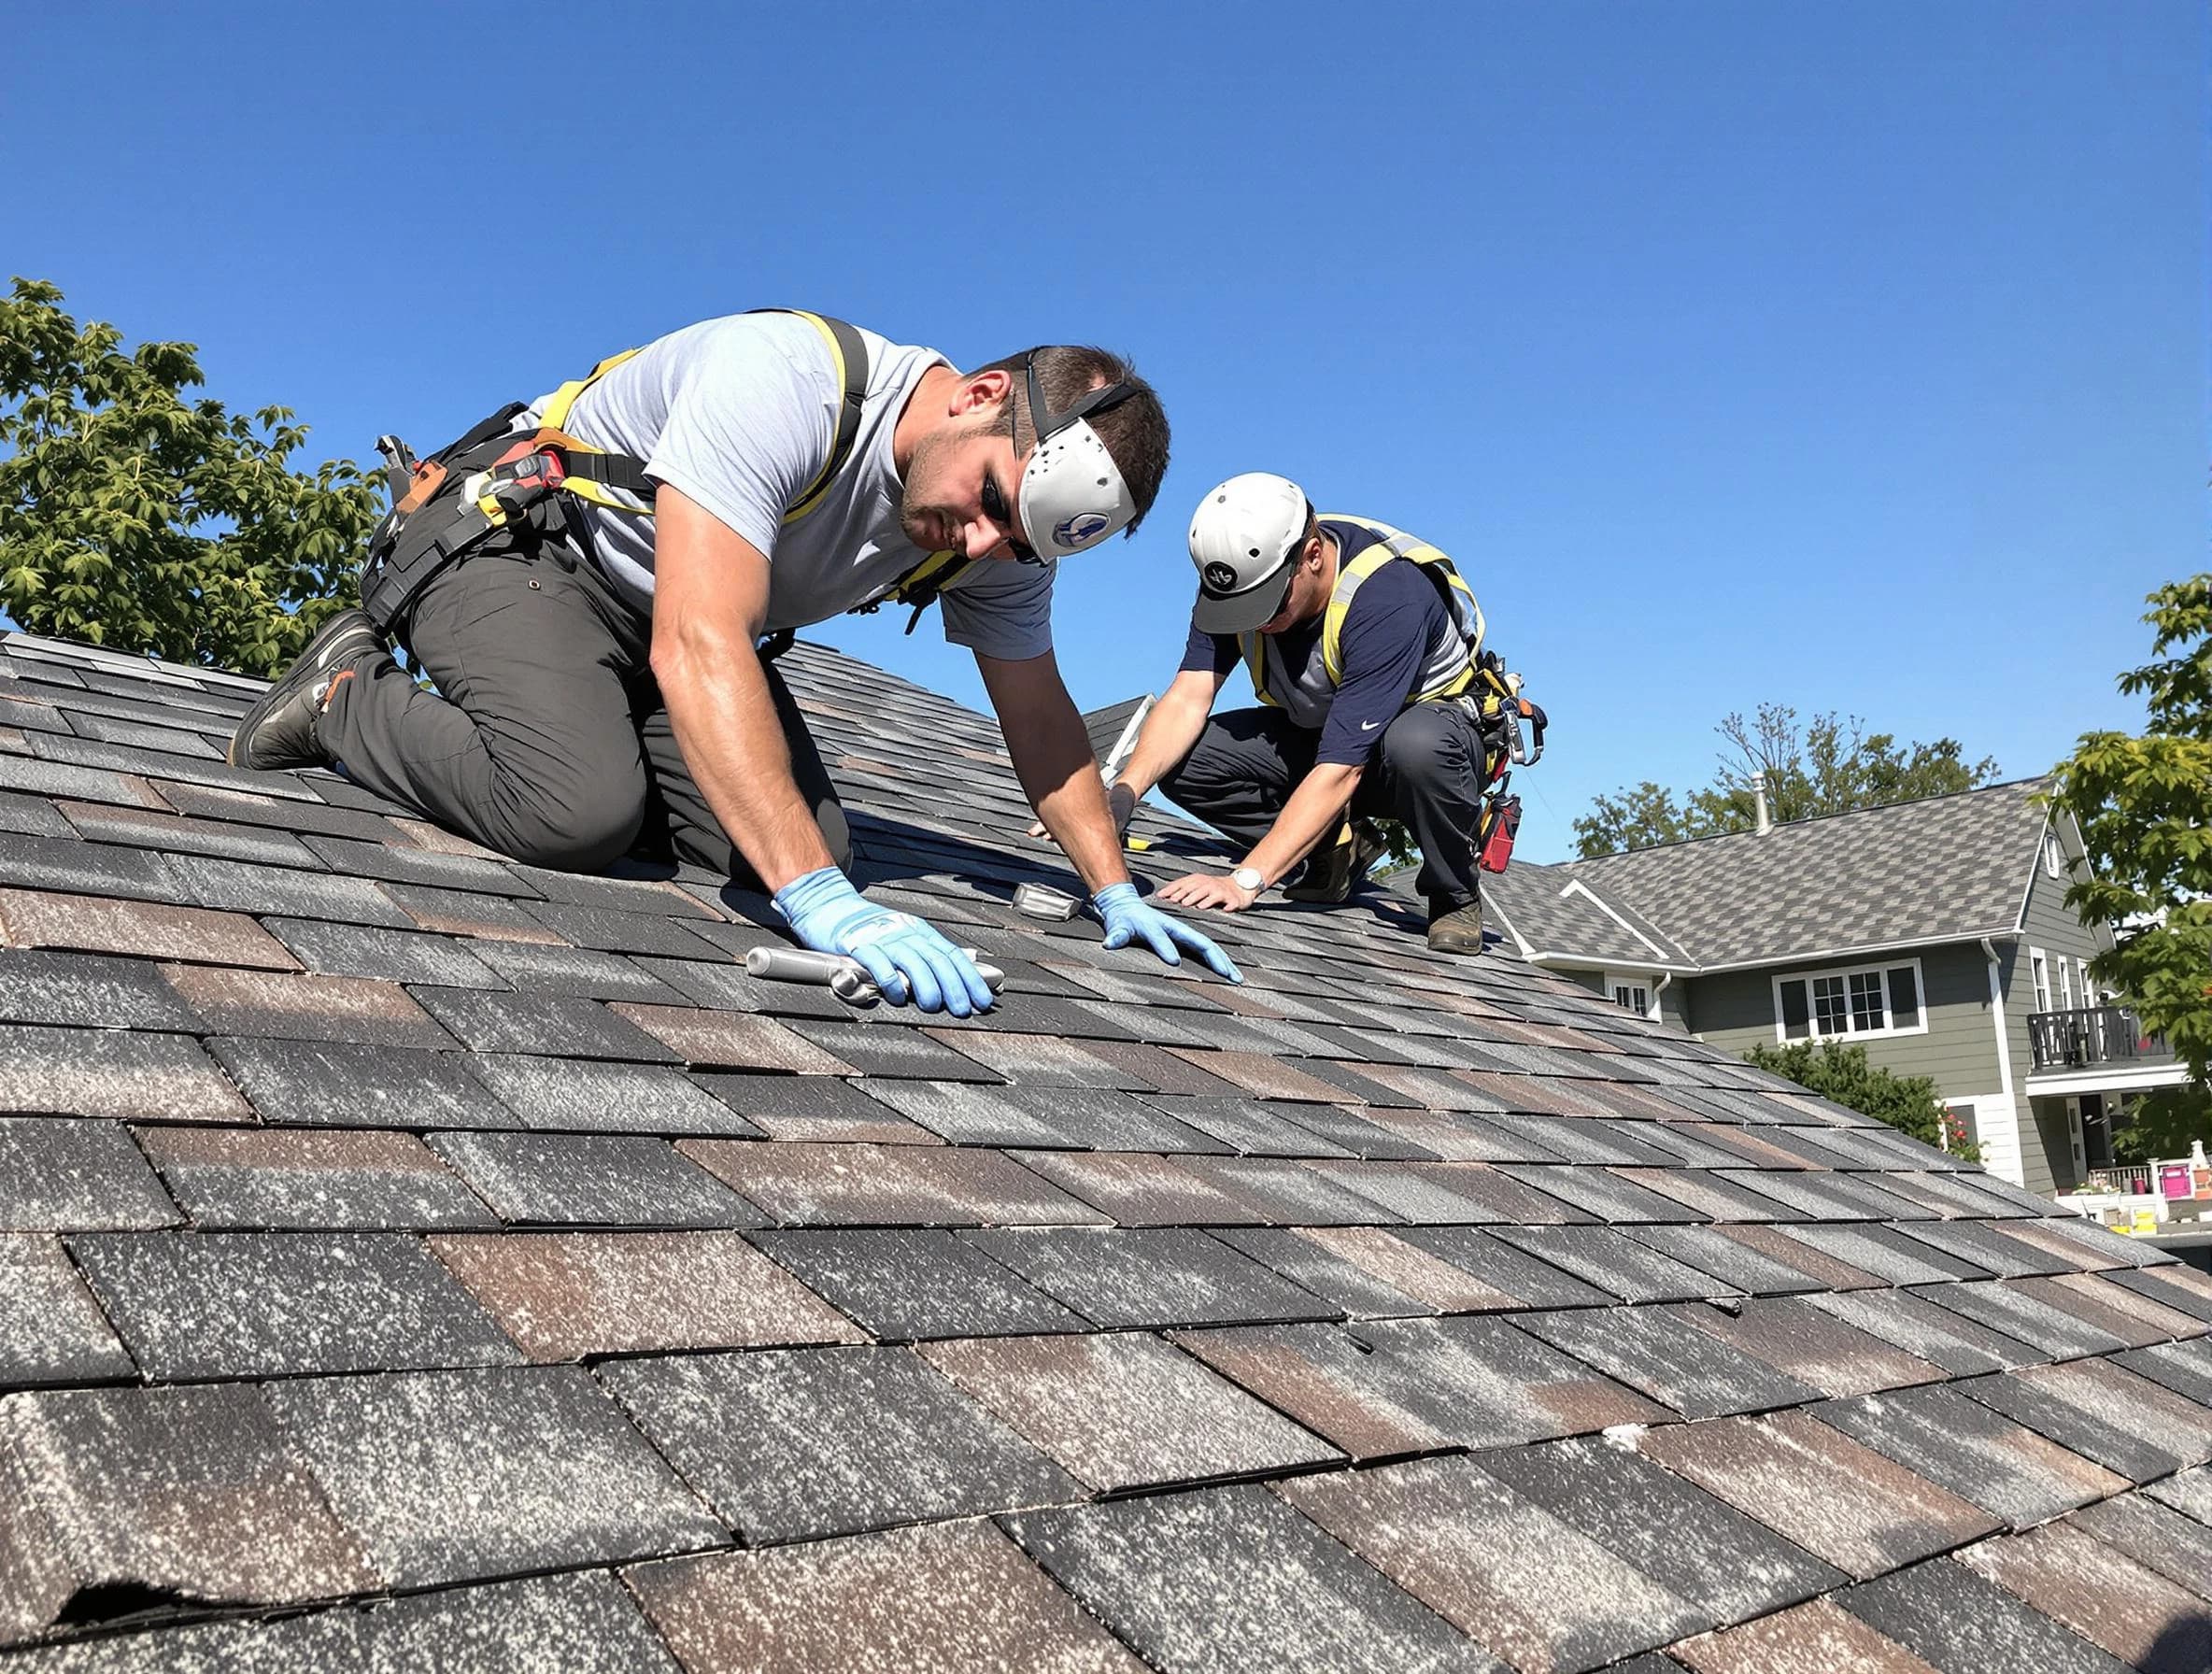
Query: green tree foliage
[1833,1071]
[1827,765]
[138,519]
[2144,808]
[2162,1125]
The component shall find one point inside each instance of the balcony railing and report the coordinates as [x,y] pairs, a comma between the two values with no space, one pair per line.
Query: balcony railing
[2094,1034]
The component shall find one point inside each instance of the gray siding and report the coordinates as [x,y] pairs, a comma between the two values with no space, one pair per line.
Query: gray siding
[1734,1009]
[2047,1144]
[2051,925]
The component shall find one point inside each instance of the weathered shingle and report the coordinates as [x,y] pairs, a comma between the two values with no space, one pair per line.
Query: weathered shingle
[567,1249]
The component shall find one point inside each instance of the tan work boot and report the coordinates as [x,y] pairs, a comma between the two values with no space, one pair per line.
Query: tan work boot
[1330,873]
[1459,930]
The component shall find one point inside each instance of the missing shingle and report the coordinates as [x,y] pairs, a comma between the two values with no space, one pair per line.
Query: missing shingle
[112,1601]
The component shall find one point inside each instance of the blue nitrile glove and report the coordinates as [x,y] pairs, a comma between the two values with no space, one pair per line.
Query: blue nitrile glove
[901,955]
[1128,920]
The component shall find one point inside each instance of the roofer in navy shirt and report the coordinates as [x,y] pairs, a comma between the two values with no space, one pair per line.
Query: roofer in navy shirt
[1360,639]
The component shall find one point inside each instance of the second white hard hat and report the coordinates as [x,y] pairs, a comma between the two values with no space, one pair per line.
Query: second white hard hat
[1244,538]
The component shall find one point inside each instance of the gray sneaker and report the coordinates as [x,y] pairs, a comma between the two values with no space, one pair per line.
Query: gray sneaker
[1458,930]
[278,731]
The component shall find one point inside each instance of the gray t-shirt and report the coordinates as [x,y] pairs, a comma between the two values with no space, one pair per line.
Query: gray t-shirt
[738,414]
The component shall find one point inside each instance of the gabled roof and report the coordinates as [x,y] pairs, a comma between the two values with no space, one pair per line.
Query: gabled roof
[390,1226]
[1945,868]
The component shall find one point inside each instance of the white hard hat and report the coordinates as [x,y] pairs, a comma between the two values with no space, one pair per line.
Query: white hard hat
[1242,538]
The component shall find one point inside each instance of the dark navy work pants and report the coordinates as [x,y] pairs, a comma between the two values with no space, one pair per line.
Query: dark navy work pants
[1427,772]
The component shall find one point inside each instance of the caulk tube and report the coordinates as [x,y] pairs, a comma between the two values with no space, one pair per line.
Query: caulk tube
[844,977]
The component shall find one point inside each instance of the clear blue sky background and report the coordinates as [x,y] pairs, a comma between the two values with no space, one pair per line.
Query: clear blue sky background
[1850,356]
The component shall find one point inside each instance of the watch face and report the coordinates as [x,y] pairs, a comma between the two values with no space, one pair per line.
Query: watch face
[1246,877]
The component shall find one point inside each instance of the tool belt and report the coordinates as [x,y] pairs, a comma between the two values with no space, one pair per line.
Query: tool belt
[1492,699]
[494,478]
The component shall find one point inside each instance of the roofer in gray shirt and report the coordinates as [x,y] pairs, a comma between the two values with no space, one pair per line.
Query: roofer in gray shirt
[588,581]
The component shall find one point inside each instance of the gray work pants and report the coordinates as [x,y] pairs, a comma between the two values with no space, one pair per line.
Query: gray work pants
[547,738]
[1427,771]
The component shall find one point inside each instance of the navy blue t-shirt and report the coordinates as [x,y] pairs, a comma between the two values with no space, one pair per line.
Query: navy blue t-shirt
[1394,617]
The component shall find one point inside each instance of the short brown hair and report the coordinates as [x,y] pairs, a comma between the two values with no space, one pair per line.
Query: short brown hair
[1135,431]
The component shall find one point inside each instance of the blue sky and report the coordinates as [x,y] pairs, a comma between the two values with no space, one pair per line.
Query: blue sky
[1851,357]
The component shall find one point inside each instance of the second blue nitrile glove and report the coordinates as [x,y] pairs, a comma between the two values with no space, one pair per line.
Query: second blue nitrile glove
[1127,919]
[902,955]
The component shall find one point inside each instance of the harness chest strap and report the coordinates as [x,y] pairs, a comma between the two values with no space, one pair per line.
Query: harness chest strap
[620,482]
[1391,544]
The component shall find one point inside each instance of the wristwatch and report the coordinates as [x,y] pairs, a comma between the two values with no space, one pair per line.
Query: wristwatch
[1248,878]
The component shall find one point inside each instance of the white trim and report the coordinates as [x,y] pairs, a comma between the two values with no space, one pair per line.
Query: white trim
[2039,977]
[2000,1151]
[2108,1078]
[1845,972]
[1633,980]
[1576,886]
[1559,959]
[1862,951]
[1491,906]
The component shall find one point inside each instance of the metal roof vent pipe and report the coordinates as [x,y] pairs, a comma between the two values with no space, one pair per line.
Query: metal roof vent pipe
[1764,821]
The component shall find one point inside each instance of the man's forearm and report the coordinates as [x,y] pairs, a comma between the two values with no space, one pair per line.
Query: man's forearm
[1315,810]
[1166,738]
[725,722]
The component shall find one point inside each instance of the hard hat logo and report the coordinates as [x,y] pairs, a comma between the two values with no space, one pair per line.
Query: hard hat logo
[1082,528]
[1244,539]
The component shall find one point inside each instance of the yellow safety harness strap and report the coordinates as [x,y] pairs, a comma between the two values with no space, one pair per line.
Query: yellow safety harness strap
[619,483]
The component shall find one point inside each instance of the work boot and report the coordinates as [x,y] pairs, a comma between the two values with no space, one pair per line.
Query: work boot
[278,731]
[1330,873]
[1456,930]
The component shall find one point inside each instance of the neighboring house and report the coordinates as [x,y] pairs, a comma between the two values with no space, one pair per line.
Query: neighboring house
[1935,933]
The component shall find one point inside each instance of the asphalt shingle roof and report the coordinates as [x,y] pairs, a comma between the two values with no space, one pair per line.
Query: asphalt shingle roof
[409,1258]
[1946,868]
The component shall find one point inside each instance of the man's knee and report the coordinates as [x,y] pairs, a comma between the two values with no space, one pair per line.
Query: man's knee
[1428,743]
[571,836]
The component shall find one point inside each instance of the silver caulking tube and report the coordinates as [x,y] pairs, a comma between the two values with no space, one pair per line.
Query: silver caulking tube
[844,977]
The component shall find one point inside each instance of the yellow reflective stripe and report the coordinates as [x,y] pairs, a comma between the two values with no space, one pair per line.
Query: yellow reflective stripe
[1340,604]
[1255,663]
[921,574]
[554,416]
[1394,544]
[1449,688]
[820,486]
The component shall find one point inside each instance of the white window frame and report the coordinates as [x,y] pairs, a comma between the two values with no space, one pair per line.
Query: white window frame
[2065,984]
[2039,977]
[2054,861]
[1879,970]
[1633,980]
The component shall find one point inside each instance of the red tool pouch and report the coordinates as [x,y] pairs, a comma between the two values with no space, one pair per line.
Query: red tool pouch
[1501,821]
